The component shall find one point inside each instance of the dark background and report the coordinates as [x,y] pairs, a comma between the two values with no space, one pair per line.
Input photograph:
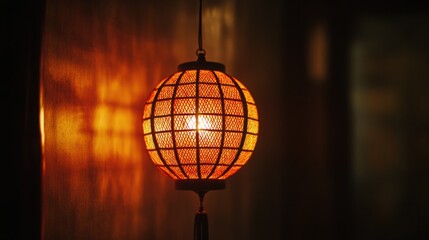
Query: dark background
[333,168]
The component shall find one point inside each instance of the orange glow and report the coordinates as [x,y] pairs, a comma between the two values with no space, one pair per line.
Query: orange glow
[90,94]
[200,124]
[318,53]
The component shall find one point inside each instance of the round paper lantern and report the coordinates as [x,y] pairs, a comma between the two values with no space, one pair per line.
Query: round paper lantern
[200,124]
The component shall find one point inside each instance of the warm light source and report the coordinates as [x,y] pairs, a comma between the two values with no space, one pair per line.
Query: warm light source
[200,126]
[200,123]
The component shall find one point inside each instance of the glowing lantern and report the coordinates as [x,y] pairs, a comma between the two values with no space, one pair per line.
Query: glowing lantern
[200,124]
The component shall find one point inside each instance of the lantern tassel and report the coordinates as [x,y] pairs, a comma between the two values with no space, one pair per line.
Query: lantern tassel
[201,226]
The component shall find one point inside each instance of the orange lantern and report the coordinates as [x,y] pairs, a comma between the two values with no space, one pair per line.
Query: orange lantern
[200,125]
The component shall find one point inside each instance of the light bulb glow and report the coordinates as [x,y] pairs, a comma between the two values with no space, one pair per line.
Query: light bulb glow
[203,123]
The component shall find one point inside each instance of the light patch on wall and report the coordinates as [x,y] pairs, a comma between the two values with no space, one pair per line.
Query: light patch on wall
[318,53]
[114,130]
[94,78]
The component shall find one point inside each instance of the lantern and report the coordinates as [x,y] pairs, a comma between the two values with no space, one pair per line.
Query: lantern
[200,127]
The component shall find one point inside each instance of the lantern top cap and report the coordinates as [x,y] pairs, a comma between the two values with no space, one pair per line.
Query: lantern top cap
[201,64]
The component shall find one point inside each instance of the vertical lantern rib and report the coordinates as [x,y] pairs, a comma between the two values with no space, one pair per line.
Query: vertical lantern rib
[245,122]
[173,132]
[152,125]
[197,112]
[222,143]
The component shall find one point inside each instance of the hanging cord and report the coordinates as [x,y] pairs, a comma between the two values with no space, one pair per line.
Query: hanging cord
[200,50]
[201,226]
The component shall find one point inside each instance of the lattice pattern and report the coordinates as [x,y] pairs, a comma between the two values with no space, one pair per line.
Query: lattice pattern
[200,124]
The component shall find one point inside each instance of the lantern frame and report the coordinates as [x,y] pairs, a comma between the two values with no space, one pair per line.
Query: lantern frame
[205,184]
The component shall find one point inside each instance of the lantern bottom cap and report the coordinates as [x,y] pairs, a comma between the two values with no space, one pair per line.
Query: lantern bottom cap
[200,185]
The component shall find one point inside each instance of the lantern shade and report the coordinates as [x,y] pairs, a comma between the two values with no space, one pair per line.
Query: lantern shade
[200,123]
